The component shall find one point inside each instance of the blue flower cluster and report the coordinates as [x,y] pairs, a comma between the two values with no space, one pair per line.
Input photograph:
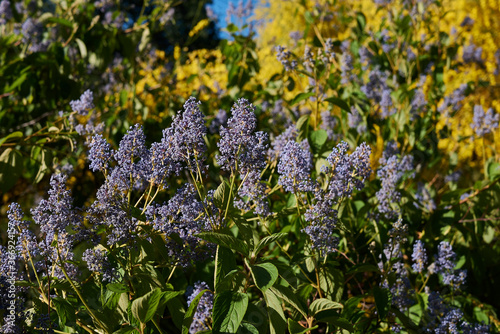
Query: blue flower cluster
[203,312]
[424,198]
[484,122]
[284,58]
[97,262]
[180,219]
[419,256]
[5,12]
[347,172]
[355,120]
[219,119]
[243,150]
[346,67]
[295,166]
[392,169]
[393,256]
[279,143]
[328,123]
[377,83]
[84,104]
[386,106]
[60,225]
[444,319]
[454,99]
[472,54]
[322,219]
[418,102]
[445,266]
[188,144]
[99,153]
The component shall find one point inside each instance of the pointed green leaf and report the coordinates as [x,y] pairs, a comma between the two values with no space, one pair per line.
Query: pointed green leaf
[331,281]
[339,322]
[289,296]
[229,309]
[224,264]
[264,275]
[407,322]
[302,121]
[300,97]
[318,138]
[266,241]
[323,304]
[339,103]
[117,287]
[247,328]
[144,308]
[166,296]
[222,196]
[295,328]
[65,311]
[382,300]
[11,163]
[188,317]
[277,322]
[225,240]
[16,134]
[126,330]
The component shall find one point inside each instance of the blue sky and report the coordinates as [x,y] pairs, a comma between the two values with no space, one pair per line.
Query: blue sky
[220,7]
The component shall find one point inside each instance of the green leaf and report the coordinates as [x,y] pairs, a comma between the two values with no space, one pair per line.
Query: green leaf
[382,300]
[145,39]
[277,322]
[188,317]
[60,21]
[166,296]
[267,241]
[144,308]
[264,275]
[229,309]
[65,311]
[11,163]
[126,330]
[295,328]
[123,97]
[361,19]
[331,281]
[309,18]
[232,28]
[16,134]
[222,196]
[117,287]
[82,47]
[247,328]
[18,82]
[176,309]
[323,304]
[407,322]
[225,240]
[318,138]
[289,296]
[300,97]
[493,170]
[362,268]
[302,121]
[224,264]
[339,103]
[110,299]
[339,322]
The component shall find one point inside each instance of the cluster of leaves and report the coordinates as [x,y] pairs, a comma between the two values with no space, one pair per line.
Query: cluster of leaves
[327,203]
